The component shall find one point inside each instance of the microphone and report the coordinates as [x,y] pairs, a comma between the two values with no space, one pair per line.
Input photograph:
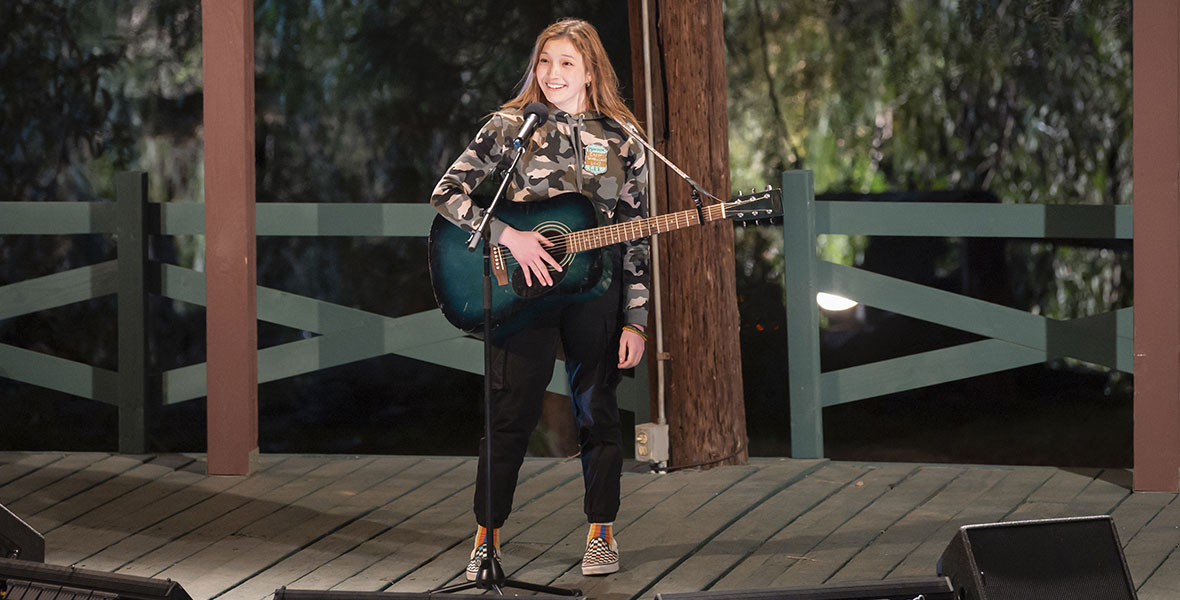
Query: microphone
[535,115]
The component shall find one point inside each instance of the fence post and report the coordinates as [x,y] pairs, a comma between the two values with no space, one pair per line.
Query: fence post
[131,230]
[807,420]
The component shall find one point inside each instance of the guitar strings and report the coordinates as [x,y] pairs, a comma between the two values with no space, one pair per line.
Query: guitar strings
[563,242]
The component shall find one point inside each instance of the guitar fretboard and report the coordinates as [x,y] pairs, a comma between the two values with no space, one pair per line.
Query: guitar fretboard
[589,239]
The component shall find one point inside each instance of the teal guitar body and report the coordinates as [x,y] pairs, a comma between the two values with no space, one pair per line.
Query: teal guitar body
[582,244]
[457,273]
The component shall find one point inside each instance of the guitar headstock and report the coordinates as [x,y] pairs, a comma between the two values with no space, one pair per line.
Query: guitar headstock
[755,206]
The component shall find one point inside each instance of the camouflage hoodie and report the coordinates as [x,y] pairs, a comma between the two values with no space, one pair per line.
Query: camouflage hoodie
[605,165]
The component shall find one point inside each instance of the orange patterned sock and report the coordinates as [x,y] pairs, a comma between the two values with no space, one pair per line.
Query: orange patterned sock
[481,537]
[602,530]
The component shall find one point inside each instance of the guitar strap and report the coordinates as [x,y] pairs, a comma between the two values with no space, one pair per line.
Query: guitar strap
[630,130]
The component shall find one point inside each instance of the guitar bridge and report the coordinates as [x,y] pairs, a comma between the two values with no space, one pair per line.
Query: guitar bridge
[499,271]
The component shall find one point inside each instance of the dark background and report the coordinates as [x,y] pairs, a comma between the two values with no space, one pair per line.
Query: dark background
[369,101]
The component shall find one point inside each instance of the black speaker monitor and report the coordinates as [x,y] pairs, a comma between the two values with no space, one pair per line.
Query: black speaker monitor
[18,539]
[1076,558]
[24,580]
[292,594]
[908,588]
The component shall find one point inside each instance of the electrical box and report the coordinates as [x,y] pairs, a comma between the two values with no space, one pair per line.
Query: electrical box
[651,442]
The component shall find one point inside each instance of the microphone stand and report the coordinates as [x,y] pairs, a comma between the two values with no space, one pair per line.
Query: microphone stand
[491,576]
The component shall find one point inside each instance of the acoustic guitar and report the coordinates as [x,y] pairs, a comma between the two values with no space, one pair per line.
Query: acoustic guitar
[582,246]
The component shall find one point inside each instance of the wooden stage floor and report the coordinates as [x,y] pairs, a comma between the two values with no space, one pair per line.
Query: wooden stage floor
[403,523]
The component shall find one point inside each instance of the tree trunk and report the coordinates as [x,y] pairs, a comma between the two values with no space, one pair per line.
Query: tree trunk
[698,289]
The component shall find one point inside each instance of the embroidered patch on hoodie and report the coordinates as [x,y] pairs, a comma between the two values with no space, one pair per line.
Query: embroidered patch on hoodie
[595,159]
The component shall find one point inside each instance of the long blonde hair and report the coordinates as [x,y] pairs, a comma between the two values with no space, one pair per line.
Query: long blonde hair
[603,95]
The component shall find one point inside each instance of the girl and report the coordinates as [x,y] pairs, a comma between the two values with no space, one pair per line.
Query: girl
[583,148]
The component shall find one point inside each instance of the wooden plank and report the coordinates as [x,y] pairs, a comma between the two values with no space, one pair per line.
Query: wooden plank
[899,540]
[120,484]
[704,523]
[369,540]
[1054,497]
[1148,551]
[1164,583]
[668,524]
[165,541]
[1136,511]
[46,476]
[743,538]
[1102,495]
[422,538]
[120,531]
[318,553]
[715,518]
[67,488]
[343,218]
[999,500]
[388,219]
[14,465]
[923,369]
[56,218]
[263,543]
[58,289]
[130,513]
[859,533]
[792,543]
[175,559]
[60,374]
[974,219]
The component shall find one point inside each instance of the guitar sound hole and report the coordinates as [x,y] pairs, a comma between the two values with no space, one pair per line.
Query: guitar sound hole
[538,289]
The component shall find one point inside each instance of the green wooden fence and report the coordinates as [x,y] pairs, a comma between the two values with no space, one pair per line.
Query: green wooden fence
[1016,338]
[344,334]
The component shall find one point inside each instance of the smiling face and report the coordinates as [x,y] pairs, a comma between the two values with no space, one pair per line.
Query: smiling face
[563,76]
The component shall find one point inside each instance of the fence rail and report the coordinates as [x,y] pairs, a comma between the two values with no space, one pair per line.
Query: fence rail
[1017,338]
[344,334]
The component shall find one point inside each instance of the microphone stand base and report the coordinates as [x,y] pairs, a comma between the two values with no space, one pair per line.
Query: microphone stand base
[491,578]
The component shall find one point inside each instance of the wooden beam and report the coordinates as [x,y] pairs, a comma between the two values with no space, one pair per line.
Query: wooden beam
[1156,155]
[702,363]
[227,27]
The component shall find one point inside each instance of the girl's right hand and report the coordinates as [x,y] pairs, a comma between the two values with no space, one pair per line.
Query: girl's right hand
[528,248]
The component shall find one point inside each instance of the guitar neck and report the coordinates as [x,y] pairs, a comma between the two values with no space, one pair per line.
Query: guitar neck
[589,239]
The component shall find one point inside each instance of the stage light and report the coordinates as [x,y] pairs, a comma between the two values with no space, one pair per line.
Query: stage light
[834,303]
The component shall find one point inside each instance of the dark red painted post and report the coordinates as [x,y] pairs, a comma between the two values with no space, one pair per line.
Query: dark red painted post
[227,27]
[1156,133]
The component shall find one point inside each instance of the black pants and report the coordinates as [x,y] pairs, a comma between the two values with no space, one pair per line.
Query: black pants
[522,365]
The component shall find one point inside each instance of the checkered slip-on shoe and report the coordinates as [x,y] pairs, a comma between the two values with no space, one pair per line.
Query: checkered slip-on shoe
[601,558]
[477,556]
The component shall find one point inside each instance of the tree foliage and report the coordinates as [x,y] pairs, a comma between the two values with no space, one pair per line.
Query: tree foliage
[1028,100]
[1019,101]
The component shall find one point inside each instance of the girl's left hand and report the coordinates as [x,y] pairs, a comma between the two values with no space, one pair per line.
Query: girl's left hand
[630,349]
